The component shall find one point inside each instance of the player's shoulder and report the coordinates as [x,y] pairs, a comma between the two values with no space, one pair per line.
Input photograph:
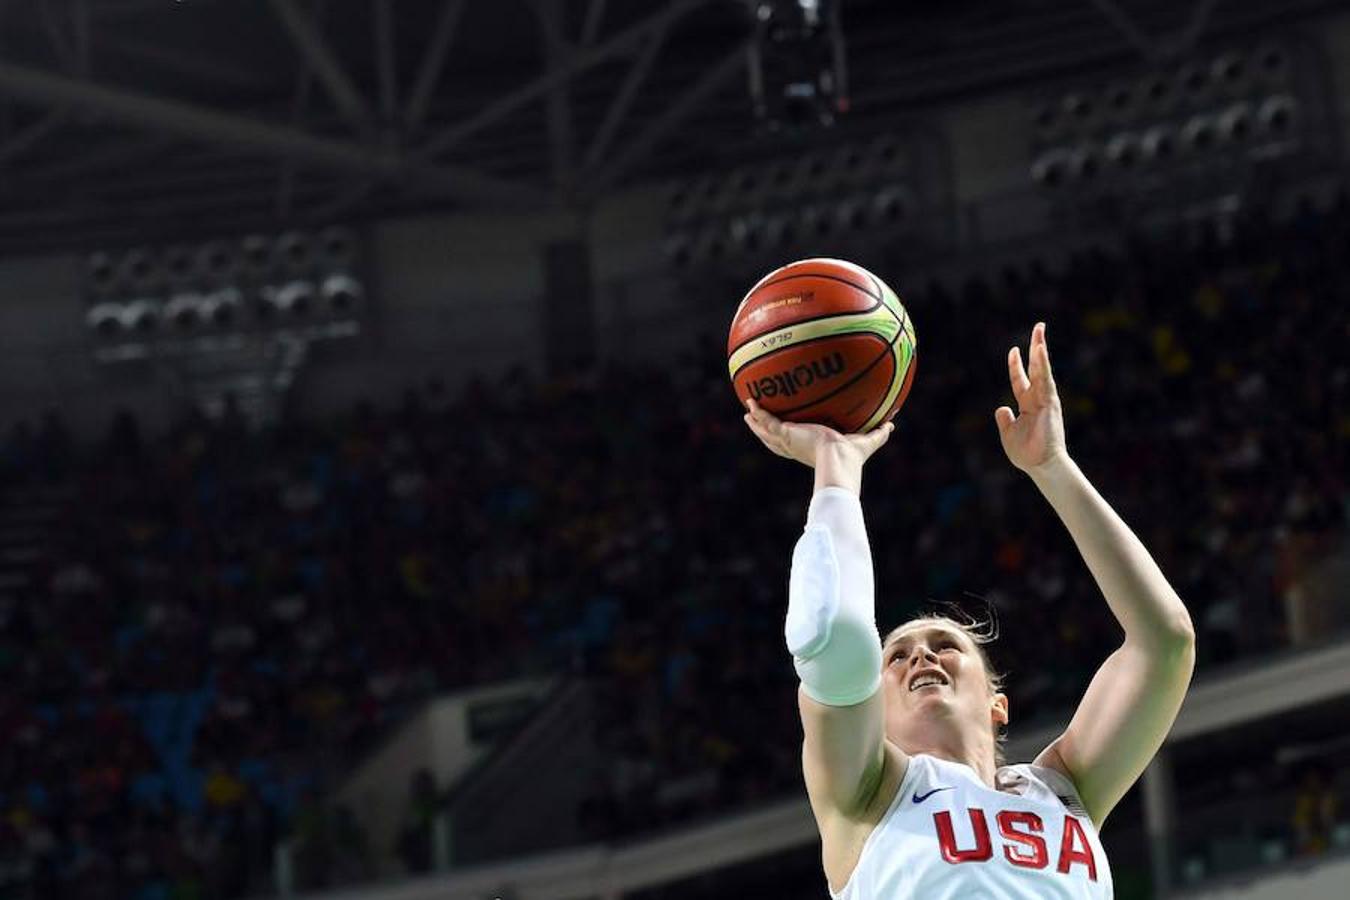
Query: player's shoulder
[1018,777]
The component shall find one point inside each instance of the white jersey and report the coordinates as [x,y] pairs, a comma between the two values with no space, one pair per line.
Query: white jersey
[948,836]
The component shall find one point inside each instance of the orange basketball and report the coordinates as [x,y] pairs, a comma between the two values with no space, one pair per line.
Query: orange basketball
[826,341]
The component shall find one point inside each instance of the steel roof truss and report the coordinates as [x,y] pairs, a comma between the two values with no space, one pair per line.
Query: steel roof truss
[627,92]
[196,123]
[385,64]
[433,61]
[504,106]
[316,52]
[676,112]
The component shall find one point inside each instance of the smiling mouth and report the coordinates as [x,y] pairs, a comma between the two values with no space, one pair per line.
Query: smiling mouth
[927,681]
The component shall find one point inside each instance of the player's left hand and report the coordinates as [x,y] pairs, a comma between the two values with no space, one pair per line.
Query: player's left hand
[1034,438]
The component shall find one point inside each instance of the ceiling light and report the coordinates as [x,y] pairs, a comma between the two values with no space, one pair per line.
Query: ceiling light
[337,247]
[295,251]
[141,315]
[1159,144]
[342,292]
[1277,115]
[1051,168]
[1235,123]
[1123,150]
[104,318]
[295,298]
[1198,134]
[184,310]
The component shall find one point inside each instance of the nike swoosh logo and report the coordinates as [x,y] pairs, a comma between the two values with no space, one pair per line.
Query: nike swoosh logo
[919,798]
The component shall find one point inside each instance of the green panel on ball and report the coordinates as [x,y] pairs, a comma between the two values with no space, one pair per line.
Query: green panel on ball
[904,356]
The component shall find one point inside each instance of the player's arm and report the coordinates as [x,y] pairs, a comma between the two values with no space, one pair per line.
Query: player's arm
[831,625]
[1134,698]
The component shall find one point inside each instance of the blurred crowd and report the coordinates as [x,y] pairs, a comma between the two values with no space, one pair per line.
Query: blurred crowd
[1287,806]
[217,620]
[1206,394]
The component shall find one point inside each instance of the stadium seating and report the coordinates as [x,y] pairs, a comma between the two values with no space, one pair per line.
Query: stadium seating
[201,629]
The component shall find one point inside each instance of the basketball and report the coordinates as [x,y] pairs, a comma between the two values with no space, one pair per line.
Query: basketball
[824,341]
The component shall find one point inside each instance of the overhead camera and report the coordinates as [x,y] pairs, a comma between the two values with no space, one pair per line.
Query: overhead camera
[797,71]
[792,13]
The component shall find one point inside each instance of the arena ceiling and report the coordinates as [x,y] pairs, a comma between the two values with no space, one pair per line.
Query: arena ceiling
[139,120]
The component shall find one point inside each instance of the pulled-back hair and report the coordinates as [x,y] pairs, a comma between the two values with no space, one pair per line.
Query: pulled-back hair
[981,632]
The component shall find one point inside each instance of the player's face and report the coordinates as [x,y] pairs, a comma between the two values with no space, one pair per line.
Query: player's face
[936,671]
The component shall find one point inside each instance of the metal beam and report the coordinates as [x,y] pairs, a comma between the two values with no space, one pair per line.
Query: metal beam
[62,43]
[163,216]
[675,113]
[194,63]
[341,201]
[1160,818]
[618,107]
[522,155]
[82,25]
[558,105]
[309,41]
[1200,16]
[289,171]
[385,65]
[358,190]
[186,180]
[121,8]
[286,176]
[110,157]
[19,143]
[504,106]
[590,28]
[195,123]
[1127,27]
[429,73]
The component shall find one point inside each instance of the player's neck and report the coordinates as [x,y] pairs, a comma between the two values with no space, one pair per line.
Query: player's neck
[954,747]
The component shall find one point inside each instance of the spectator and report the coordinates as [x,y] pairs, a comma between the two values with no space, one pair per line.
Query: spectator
[419,817]
[1316,808]
[216,618]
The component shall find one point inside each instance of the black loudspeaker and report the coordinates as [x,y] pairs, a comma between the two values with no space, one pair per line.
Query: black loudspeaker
[569,305]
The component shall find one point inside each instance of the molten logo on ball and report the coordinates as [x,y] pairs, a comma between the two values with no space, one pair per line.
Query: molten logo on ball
[789,381]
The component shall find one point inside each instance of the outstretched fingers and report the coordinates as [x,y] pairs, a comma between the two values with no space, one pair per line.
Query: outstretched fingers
[1017,376]
[1041,375]
[760,416]
[1003,417]
[1036,374]
[773,443]
[767,428]
[873,439]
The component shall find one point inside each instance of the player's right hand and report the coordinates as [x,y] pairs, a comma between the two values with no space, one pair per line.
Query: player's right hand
[806,441]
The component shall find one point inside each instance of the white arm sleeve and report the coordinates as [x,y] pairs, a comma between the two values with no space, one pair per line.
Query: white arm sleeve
[831,625]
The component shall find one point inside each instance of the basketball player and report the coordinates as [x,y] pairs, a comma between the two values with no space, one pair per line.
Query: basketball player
[901,755]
